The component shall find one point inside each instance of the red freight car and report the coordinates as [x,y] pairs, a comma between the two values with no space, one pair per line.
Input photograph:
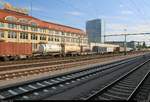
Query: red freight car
[12,50]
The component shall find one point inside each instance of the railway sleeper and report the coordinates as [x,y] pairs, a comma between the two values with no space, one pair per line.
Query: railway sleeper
[123,87]
[112,97]
[101,98]
[118,93]
[121,90]
[125,83]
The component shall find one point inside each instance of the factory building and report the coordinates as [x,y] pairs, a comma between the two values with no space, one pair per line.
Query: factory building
[94,30]
[16,25]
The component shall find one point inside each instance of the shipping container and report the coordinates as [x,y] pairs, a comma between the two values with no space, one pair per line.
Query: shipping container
[72,48]
[49,48]
[99,49]
[12,49]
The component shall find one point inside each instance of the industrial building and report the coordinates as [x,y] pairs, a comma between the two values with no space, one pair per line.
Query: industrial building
[16,25]
[94,30]
[132,45]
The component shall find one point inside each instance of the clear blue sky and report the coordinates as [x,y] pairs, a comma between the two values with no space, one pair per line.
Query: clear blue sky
[132,15]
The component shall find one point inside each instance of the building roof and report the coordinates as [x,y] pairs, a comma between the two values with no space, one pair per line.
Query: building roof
[4,13]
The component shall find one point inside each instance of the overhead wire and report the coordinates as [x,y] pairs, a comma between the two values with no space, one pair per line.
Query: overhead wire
[141,13]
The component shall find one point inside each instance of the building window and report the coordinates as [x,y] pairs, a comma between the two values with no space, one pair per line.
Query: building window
[1,24]
[62,33]
[23,20]
[33,23]
[57,39]
[13,26]
[1,34]
[11,18]
[12,34]
[72,39]
[68,34]
[67,39]
[43,30]
[34,37]
[85,41]
[72,34]
[51,32]
[50,39]
[34,29]
[24,27]
[23,35]
[56,32]
[75,35]
[42,37]
[34,46]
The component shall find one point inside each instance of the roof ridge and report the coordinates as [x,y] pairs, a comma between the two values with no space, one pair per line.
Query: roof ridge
[42,21]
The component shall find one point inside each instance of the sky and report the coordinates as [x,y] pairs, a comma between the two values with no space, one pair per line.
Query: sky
[118,15]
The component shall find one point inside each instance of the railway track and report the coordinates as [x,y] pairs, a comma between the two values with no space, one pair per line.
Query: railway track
[143,93]
[48,63]
[39,89]
[49,58]
[43,59]
[125,86]
[45,67]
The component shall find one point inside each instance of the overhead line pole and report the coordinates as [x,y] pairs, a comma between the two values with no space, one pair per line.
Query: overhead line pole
[125,42]
[125,38]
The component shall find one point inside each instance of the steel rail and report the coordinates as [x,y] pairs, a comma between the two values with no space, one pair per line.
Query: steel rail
[82,75]
[96,94]
[135,90]
[38,70]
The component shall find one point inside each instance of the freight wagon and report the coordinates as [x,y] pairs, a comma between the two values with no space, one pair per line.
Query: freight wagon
[58,49]
[98,49]
[50,49]
[12,50]
[104,48]
[72,49]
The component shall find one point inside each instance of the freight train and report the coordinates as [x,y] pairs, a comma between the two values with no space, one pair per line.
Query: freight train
[54,49]
[12,50]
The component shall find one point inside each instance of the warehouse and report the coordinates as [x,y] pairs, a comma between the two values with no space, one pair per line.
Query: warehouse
[18,26]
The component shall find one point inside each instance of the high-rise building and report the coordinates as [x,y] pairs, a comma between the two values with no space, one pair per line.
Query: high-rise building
[94,30]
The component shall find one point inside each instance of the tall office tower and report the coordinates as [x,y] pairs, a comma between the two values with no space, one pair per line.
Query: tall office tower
[94,30]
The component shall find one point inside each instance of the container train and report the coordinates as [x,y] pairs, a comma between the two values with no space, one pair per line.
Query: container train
[59,49]
[12,50]
[67,49]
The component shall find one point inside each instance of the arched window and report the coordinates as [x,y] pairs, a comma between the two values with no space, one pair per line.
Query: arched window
[33,24]
[23,20]
[11,18]
[1,34]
